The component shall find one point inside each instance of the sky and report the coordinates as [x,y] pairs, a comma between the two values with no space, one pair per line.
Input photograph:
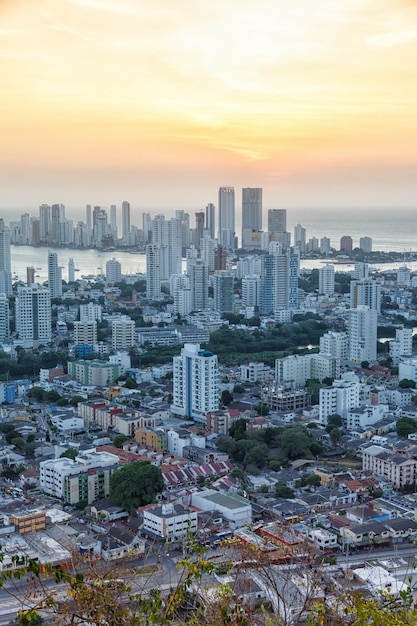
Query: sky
[161,102]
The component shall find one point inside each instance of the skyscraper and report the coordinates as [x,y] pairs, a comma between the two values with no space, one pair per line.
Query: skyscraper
[277,220]
[195,382]
[251,212]
[4,318]
[125,221]
[199,285]
[54,275]
[300,238]
[223,283]
[211,220]
[279,279]
[45,222]
[33,314]
[5,260]
[153,272]
[226,236]
[113,220]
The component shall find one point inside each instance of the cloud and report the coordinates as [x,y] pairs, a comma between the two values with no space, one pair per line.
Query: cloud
[389,40]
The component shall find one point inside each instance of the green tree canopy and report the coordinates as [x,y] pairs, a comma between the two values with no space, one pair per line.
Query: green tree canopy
[119,440]
[405,426]
[407,383]
[335,435]
[283,491]
[237,429]
[135,484]
[69,453]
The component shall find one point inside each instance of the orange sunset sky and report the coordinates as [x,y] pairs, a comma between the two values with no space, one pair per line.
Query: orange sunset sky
[162,101]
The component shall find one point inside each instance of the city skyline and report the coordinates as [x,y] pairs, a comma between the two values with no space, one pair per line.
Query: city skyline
[104,101]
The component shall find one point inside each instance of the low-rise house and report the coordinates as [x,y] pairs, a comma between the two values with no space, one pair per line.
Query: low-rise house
[365,534]
[323,539]
[119,543]
[235,509]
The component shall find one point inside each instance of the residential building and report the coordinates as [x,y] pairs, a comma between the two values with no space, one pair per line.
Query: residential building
[198,273]
[54,275]
[5,261]
[96,373]
[407,369]
[122,333]
[397,468]
[90,312]
[223,284]
[298,368]
[195,378]
[33,314]
[362,333]
[335,344]
[300,238]
[251,290]
[85,333]
[113,271]
[366,292]
[4,318]
[210,220]
[255,372]
[403,276]
[153,272]
[326,280]
[339,399]
[87,478]
[346,243]
[365,244]
[402,346]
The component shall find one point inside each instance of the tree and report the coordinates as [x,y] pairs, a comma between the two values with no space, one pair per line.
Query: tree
[283,491]
[237,429]
[135,484]
[407,383]
[226,398]
[335,435]
[118,440]
[19,443]
[405,426]
[69,453]
[335,420]
[236,473]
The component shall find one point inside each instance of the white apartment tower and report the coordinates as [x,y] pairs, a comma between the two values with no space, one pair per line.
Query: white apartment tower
[54,275]
[122,333]
[335,344]
[180,290]
[362,333]
[326,280]
[90,312]
[195,379]
[366,292]
[113,271]
[251,289]
[33,314]
[402,346]
[338,399]
[85,333]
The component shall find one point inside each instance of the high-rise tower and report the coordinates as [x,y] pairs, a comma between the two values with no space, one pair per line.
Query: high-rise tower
[5,260]
[226,235]
[125,221]
[54,275]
